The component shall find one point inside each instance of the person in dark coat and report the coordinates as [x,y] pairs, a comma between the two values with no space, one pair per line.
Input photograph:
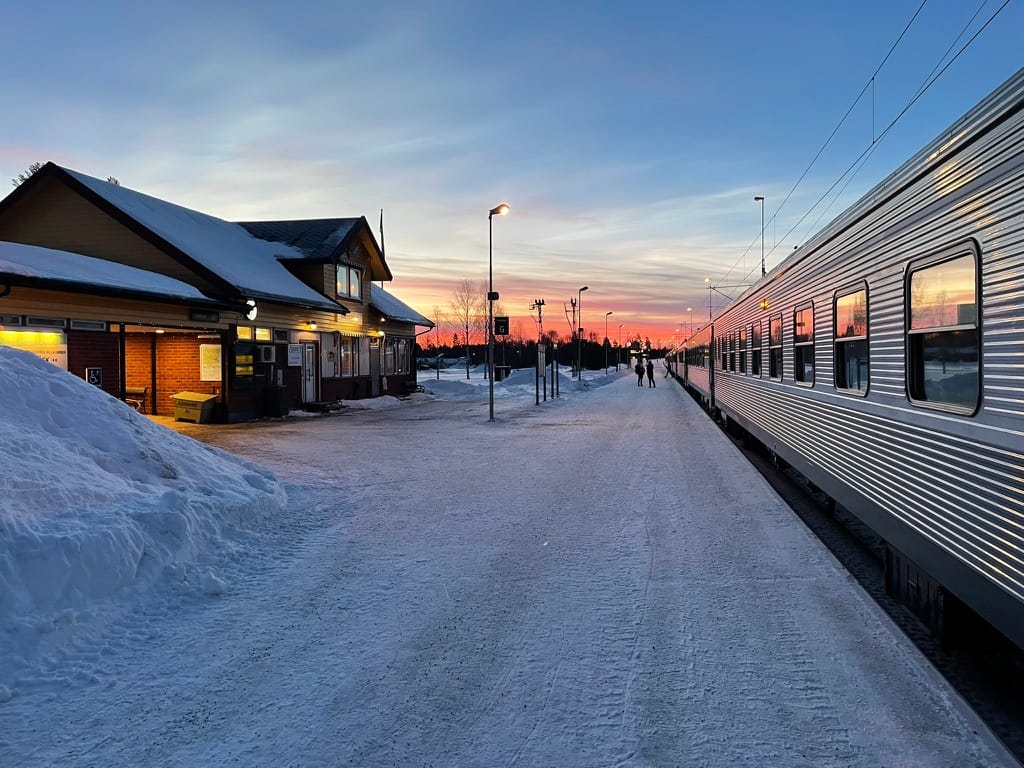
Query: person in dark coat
[650,373]
[639,370]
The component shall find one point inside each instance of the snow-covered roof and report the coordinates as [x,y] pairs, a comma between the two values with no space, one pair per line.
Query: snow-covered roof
[30,261]
[395,309]
[228,250]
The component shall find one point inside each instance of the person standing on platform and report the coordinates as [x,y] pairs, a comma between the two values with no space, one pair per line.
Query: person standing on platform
[650,373]
[639,370]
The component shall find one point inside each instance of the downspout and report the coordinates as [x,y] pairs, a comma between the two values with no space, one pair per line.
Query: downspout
[123,381]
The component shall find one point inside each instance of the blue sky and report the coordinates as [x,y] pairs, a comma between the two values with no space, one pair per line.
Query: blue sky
[628,138]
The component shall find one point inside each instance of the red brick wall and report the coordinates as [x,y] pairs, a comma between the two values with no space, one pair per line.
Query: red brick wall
[177,360]
[138,365]
[96,349]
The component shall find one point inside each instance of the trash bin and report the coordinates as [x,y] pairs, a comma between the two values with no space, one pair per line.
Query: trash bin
[502,372]
[277,400]
[193,406]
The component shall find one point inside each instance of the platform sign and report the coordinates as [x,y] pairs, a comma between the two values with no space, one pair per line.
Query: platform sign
[94,376]
[501,326]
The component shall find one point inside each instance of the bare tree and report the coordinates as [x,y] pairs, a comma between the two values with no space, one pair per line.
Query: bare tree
[22,177]
[466,304]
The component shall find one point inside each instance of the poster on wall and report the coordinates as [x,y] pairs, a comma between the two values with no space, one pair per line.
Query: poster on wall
[210,362]
[294,354]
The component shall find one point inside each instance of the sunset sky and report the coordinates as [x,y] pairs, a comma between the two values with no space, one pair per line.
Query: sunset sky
[629,139]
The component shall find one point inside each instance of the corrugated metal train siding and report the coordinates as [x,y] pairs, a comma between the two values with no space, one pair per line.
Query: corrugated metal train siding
[955,480]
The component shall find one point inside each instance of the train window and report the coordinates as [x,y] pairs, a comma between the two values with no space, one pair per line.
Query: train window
[755,349]
[803,344]
[851,341]
[743,350]
[943,344]
[732,351]
[775,347]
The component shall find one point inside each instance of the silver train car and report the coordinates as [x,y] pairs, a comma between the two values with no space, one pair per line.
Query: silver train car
[884,361]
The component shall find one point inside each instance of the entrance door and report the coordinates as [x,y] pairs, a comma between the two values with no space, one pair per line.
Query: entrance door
[309,373]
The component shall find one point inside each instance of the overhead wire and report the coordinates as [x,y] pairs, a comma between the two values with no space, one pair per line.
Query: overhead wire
[927,84]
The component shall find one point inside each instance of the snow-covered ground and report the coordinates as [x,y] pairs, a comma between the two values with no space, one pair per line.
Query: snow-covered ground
[597,580]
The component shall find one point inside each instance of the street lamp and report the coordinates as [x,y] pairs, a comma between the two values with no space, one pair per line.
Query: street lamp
[690,325]
[579,334]
[760,199]
[618,354]
[606,344]
[499,210]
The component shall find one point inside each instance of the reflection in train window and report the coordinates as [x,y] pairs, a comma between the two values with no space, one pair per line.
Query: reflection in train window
[743,350]
[851,341]
[943,343]
[755,349]
[803,344]
[775,347]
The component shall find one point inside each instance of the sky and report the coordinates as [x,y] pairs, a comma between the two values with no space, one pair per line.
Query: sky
[629,140]
[231,601]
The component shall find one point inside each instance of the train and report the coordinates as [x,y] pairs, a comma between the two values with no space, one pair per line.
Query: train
[883,360]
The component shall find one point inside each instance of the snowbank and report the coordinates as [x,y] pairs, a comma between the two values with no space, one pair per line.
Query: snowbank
[95,497]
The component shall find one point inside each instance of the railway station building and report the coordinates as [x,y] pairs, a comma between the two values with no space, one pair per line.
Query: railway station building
[148,299]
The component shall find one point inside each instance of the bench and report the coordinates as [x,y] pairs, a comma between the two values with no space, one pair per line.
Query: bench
[136,397]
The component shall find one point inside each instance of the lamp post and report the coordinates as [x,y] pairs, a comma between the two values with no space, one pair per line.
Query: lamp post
[606,342]
[760,199]
[618,353]
[499,210]
[690,324]
[579,334]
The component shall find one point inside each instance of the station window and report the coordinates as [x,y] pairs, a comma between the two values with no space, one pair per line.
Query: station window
[943,341]
[743,350]
[755,349]
[775,347]
[349,281]
[851,341]
[803,344]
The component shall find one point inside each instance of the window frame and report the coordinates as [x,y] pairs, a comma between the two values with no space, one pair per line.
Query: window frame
[773,348]
[350,271]
[840,342]
[800,347]
[914,377]
[756,331]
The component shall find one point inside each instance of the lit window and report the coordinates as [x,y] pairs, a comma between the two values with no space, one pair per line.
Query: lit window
[803,344]
[244,333]
[349,282]
[851,341]
[264,334]
[943,344]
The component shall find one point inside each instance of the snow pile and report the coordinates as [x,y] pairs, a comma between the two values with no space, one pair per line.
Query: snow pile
[96,498]
[521,383]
